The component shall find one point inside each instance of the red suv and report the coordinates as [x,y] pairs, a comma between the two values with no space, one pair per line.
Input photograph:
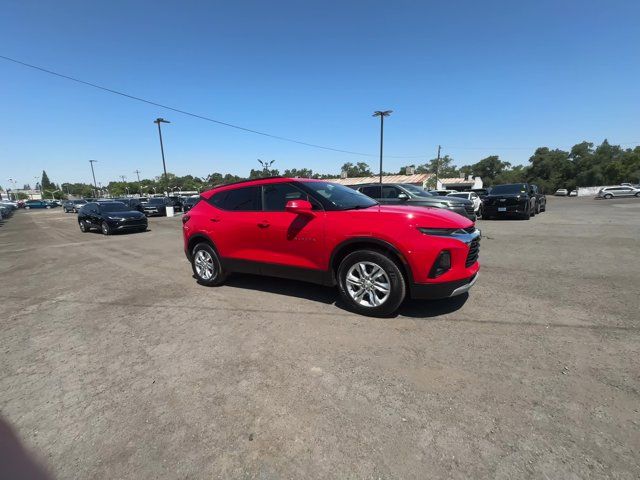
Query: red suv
[326,233]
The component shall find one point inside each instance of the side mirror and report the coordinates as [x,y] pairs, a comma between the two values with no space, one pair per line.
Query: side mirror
[299,207]
[403,196]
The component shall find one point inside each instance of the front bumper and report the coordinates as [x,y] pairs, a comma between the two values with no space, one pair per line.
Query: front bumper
[517,209]
[471,215]
[432,291]
[121,226]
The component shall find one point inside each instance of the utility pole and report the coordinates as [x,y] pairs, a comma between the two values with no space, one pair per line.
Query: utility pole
[381,114]
[437,167]
[137,172]
[164,166]
[95,185]
[266,167]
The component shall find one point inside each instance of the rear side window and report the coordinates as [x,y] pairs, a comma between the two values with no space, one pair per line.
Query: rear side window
[373,192]
[245,199]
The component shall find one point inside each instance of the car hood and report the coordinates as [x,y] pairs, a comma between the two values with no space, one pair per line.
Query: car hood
[419,216]
[453,200]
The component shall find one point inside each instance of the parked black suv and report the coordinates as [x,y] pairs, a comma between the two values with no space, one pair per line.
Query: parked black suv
[516,199]
[110,217]
[412,195]
[157,206]
[132,203]
[189,203]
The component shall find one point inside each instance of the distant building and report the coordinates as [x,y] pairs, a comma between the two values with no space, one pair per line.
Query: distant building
[462,183]
[418,179]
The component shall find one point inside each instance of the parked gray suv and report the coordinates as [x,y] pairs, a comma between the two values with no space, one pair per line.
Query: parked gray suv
[620,191]
[412,195]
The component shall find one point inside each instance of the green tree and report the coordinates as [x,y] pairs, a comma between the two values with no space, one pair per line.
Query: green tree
[300,173]
[360,169]
[444,167]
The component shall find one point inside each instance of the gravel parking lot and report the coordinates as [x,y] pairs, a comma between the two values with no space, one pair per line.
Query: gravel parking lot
[116,364]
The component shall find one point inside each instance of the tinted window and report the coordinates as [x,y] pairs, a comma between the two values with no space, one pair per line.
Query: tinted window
[191,200]
[373,192]
[157,201]
[239,199]
[513,188]
[390,192]
[276,196]
[415,190]
[338,197]
[459,195]
[114,207]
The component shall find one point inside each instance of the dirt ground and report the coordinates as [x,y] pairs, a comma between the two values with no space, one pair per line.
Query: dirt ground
[116,364]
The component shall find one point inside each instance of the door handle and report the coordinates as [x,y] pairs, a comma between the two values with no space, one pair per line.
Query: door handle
[214,219]
[264,224]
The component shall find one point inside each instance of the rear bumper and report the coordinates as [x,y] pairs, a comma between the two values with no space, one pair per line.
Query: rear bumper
[434,291]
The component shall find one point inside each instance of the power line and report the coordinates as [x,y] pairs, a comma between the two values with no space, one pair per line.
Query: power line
[195,115]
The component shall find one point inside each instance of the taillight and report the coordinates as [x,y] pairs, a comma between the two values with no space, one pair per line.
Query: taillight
[185,218]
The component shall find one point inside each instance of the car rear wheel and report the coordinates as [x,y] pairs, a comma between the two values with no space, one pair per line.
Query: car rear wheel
[206,265]
[638,194]
[371,283]
[106,229]
[27,207]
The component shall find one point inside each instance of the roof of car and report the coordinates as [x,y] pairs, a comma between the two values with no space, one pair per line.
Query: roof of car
[258,181]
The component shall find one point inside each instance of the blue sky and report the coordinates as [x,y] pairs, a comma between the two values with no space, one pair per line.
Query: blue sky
[479,78]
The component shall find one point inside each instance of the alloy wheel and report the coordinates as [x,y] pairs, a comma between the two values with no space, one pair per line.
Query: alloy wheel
[368,284]
[205,268]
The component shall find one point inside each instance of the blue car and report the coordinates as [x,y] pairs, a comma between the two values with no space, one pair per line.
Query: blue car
[29,204]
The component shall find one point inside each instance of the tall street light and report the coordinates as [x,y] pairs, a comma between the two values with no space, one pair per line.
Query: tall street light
[266,166]
[95,185]
[381,114]
[164,166]
[137,172]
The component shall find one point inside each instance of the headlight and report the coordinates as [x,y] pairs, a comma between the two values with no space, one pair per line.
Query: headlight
[442,232]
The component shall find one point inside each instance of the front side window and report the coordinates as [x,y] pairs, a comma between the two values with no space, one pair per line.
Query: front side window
[338,197]
[276,196]
[390,192]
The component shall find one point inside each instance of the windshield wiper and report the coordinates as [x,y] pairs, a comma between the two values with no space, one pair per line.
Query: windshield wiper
[358,207]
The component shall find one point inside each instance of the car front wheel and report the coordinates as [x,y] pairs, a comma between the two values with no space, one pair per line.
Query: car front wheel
[206,265]
[608,196]
[106,229]
[371,283]
[83,226]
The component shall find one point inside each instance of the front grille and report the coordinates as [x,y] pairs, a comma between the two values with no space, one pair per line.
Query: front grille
[474,252]
[469,209]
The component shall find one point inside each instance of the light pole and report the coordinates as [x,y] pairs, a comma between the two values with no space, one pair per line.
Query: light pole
[266,166]
[13,190]
[381,114]
[52,192]
[34,187]
[164,166]
[93,173]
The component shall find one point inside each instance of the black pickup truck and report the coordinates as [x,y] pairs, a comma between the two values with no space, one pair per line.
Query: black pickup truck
[512,199]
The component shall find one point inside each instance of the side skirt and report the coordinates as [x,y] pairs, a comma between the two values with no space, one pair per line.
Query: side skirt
[321,277]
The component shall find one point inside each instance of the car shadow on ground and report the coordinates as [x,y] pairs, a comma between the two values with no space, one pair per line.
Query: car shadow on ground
[329,295]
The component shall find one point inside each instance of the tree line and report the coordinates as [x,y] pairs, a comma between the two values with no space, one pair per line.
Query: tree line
[582,166]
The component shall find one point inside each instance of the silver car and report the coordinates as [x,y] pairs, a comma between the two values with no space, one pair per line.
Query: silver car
[620,191]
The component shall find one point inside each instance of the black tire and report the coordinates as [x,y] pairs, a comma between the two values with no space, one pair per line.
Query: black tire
[608,196]
[48,207]
[218,276]
[84,228]
[105,228]
[638,194]
[526,216]
[397,284]
[27,207]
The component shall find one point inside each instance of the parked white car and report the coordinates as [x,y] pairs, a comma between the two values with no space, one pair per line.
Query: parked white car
[621,191]
[573,193]
[473,196]
[561,192]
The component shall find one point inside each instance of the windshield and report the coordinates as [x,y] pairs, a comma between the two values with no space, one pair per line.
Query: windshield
[156,201]
[420,192]
[513,188]
[113,207]
[79,202]
[459,195]
[191,200]
[339,197]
